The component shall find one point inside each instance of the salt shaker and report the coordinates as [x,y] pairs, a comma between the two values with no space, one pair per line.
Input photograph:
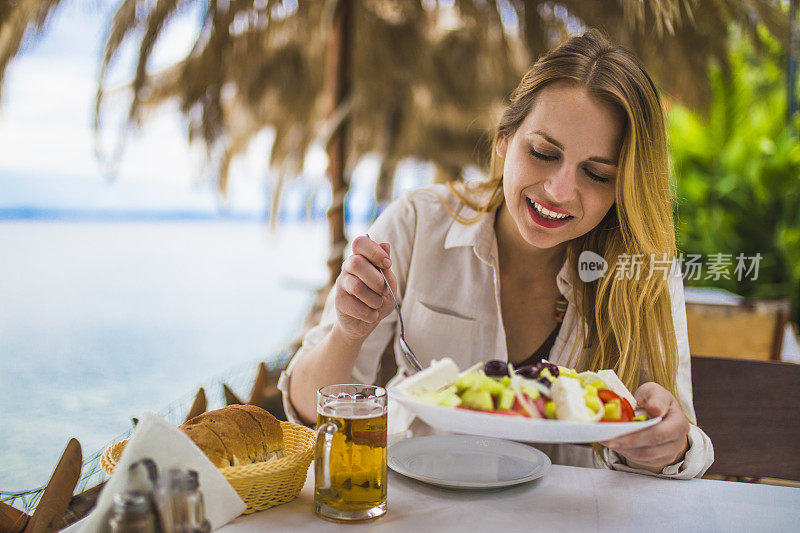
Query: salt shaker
[183,510]
[132,514]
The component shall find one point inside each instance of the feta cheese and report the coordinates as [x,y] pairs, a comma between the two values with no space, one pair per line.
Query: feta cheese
[567,394]
[439,374]
[614,384]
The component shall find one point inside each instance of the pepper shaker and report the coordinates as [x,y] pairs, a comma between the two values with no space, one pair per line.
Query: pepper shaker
[132,514]
[182,503]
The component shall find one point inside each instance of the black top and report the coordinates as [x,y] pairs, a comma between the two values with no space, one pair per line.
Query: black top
[543,351]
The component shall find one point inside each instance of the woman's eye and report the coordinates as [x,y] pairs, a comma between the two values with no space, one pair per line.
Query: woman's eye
[542,156]
[595,177]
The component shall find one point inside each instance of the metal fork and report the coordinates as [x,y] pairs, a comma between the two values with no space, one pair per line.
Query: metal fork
[408,355]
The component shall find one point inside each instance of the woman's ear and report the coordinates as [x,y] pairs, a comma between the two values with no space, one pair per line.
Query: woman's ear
[501,146]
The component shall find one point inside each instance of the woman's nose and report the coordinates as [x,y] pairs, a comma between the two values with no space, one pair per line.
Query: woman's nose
[561,186]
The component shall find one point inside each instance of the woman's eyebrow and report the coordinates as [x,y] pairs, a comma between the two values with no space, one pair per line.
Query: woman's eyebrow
[603,160]
[548,138]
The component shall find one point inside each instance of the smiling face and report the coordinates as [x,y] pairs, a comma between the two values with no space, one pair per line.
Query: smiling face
[559,167]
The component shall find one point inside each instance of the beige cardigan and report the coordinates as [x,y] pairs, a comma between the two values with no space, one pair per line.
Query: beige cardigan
[449,289]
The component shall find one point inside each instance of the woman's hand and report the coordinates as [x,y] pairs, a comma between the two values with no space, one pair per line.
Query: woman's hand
[361,298]
[660,445]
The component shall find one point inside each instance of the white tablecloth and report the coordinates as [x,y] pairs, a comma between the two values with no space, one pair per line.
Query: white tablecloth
[565,499]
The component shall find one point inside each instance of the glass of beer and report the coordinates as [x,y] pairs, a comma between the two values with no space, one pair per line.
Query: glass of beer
[350,457]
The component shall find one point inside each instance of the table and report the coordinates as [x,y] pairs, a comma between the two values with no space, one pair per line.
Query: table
[567,498]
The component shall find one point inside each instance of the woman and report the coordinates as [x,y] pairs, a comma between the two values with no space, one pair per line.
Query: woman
[579,163]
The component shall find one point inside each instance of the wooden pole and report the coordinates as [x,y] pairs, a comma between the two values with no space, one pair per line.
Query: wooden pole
[230,397]
[12,520]
[199,405]
[337,88]
[55,500]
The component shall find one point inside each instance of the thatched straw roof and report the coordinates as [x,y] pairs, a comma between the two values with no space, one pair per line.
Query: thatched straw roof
[428,79]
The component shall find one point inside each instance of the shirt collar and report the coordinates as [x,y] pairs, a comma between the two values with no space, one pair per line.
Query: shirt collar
[481,237]
[564,282]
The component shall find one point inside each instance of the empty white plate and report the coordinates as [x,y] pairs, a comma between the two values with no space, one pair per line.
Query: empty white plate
[466,461]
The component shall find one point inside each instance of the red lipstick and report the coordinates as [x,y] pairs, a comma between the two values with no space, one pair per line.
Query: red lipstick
[552,208]
[546,222]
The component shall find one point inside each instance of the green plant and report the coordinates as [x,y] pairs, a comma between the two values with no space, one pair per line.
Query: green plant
[737,172]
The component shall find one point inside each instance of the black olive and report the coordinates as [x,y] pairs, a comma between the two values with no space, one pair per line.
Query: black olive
[533,371]
[529,372]
[552,368]
[495,368]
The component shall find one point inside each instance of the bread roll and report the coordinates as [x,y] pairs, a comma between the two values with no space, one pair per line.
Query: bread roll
[246,425]
[236,435]
[209,442]
[272,443]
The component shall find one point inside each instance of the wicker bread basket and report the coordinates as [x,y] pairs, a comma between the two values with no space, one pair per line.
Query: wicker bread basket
[260,485]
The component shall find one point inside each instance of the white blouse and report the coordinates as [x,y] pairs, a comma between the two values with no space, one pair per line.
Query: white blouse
[449,292]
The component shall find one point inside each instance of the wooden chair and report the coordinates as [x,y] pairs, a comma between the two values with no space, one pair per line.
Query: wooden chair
[750,411]
[750,330]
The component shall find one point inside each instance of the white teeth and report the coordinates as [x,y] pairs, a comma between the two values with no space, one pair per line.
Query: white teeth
[547,213]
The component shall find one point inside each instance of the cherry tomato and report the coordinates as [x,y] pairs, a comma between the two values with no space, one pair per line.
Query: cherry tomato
[540,403]
[607,395]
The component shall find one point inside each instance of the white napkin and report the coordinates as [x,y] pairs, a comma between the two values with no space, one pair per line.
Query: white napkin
[168,447]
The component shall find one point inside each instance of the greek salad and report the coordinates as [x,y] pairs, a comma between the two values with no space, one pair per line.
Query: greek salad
[543,390]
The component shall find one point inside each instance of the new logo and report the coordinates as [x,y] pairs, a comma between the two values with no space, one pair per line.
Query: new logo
[591,266]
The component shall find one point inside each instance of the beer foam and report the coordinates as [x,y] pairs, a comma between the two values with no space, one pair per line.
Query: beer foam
[352,410]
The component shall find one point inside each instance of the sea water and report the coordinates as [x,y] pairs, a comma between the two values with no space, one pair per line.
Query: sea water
[100,322]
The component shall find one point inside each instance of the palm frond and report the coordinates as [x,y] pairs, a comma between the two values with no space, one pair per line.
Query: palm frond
[156,20]
[17,20]
[676,39]
[123,23]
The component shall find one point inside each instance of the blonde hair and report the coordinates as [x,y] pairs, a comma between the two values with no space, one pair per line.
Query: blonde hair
[624,324]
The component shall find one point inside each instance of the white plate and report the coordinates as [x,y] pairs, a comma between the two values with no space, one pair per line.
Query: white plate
[516,427]
[467,462]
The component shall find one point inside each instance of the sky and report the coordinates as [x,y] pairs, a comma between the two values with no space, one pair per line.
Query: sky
[47,158]
[47,143]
